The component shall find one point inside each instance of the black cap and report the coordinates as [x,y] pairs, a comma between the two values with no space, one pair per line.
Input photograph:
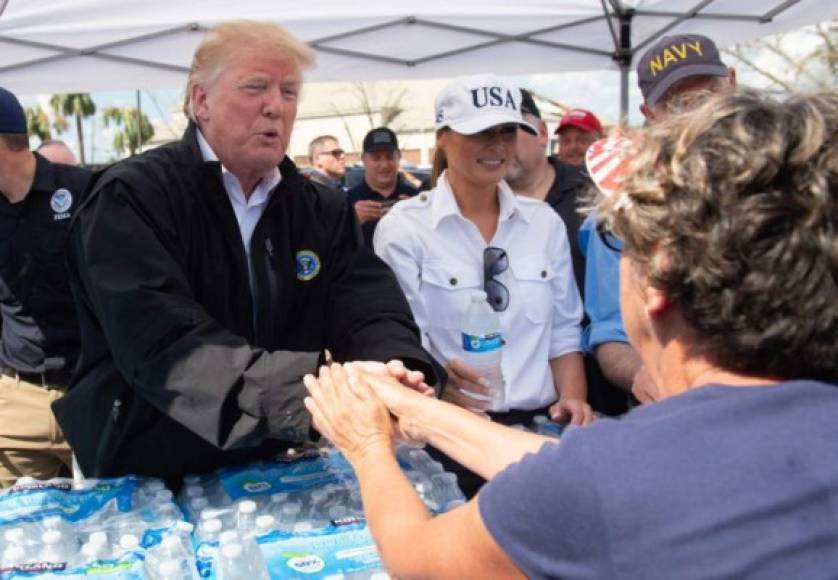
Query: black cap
[528,106]
[674,58]
[12,117]
[380,139]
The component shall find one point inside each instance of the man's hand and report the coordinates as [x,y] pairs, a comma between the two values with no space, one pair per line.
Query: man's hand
[643,386]
[396,369]
[572,412]
[466,388]
[368,210]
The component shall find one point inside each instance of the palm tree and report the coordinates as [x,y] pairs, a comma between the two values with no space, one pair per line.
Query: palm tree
[39,125]
[79,105]
[133,134]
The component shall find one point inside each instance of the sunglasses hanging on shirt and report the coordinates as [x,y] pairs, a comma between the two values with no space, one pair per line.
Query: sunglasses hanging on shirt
[495,262]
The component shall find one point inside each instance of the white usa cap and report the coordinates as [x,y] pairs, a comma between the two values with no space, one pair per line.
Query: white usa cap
[471,104]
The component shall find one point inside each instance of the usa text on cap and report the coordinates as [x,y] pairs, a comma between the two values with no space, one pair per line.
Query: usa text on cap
[471,104]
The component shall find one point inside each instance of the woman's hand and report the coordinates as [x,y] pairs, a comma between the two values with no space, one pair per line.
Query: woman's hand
[348,413]
[465,388]
[403,402]
[572,411]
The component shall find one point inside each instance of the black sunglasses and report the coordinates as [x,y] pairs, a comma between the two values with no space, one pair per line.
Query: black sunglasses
[495,262]
[336,153]
[608,239]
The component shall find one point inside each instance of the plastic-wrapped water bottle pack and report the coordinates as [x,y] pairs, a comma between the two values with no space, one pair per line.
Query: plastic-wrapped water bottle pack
[62,528]
[299,516]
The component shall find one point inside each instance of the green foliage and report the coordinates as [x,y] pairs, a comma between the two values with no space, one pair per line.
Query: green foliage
[78,105]
[131,134]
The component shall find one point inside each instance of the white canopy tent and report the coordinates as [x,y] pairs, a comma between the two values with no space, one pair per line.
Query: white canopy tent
[49,46]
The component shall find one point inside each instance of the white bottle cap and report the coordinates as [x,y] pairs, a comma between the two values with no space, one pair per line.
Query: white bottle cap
[291,508]
[212,526]
[155,485]
[265,522]
[211,513]
[247,507]
[303,527]
[194,491]
[199,503]
[228,537]
[51,537]
[92,550]
[232,550]
[185,527]
[97,538]
[129,542]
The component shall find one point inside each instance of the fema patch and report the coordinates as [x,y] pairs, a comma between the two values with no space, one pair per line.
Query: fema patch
[308,265]
[61,202]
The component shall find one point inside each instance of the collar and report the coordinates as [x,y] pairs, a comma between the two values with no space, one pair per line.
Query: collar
[265,185]
[44,178]
[444,204]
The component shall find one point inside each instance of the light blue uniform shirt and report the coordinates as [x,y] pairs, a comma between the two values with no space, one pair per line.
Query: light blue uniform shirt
[602,287]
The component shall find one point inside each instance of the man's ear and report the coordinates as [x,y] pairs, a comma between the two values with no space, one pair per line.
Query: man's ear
[199,101]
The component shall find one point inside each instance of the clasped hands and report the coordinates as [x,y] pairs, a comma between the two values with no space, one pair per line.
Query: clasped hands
[362,406]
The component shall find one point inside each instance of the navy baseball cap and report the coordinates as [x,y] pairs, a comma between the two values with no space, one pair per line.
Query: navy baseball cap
[12,117]
[380,139]
[674,58]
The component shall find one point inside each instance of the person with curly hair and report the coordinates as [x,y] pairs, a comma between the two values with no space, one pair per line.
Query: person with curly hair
[729,290]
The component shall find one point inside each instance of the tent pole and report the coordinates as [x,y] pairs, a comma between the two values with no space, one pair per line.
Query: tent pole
[139,124]
[623,58]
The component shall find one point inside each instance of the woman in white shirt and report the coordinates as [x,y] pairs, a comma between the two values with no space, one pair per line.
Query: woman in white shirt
[440,244]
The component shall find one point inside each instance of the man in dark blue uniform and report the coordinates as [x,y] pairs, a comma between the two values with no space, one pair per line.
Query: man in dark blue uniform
[382,185]
[40,341]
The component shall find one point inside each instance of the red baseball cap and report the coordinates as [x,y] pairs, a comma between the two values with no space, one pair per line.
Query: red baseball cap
[581,119]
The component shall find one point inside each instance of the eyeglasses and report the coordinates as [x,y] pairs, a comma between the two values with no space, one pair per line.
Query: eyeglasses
[495,262]
[336,153]
[608,239]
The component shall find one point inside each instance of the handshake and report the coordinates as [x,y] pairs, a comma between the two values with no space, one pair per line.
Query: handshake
[361,406]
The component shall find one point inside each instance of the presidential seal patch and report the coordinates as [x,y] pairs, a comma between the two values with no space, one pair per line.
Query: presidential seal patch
[308,265]
[61,202]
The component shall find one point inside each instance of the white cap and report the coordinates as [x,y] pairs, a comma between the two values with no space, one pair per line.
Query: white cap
[232,550]
[98,537]
[183,526]
[247,506]
[471,104]
[265,522]
[14,535]
[212,526]
[92,549]
[228,537]
[129,542]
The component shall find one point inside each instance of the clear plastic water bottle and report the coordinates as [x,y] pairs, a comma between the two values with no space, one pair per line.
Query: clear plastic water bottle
[55,548]
[483,345]
[235,564]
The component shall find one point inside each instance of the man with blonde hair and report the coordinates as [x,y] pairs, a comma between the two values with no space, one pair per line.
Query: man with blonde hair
[210,276]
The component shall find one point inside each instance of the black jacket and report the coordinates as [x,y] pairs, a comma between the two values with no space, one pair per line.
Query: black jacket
[181,369]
